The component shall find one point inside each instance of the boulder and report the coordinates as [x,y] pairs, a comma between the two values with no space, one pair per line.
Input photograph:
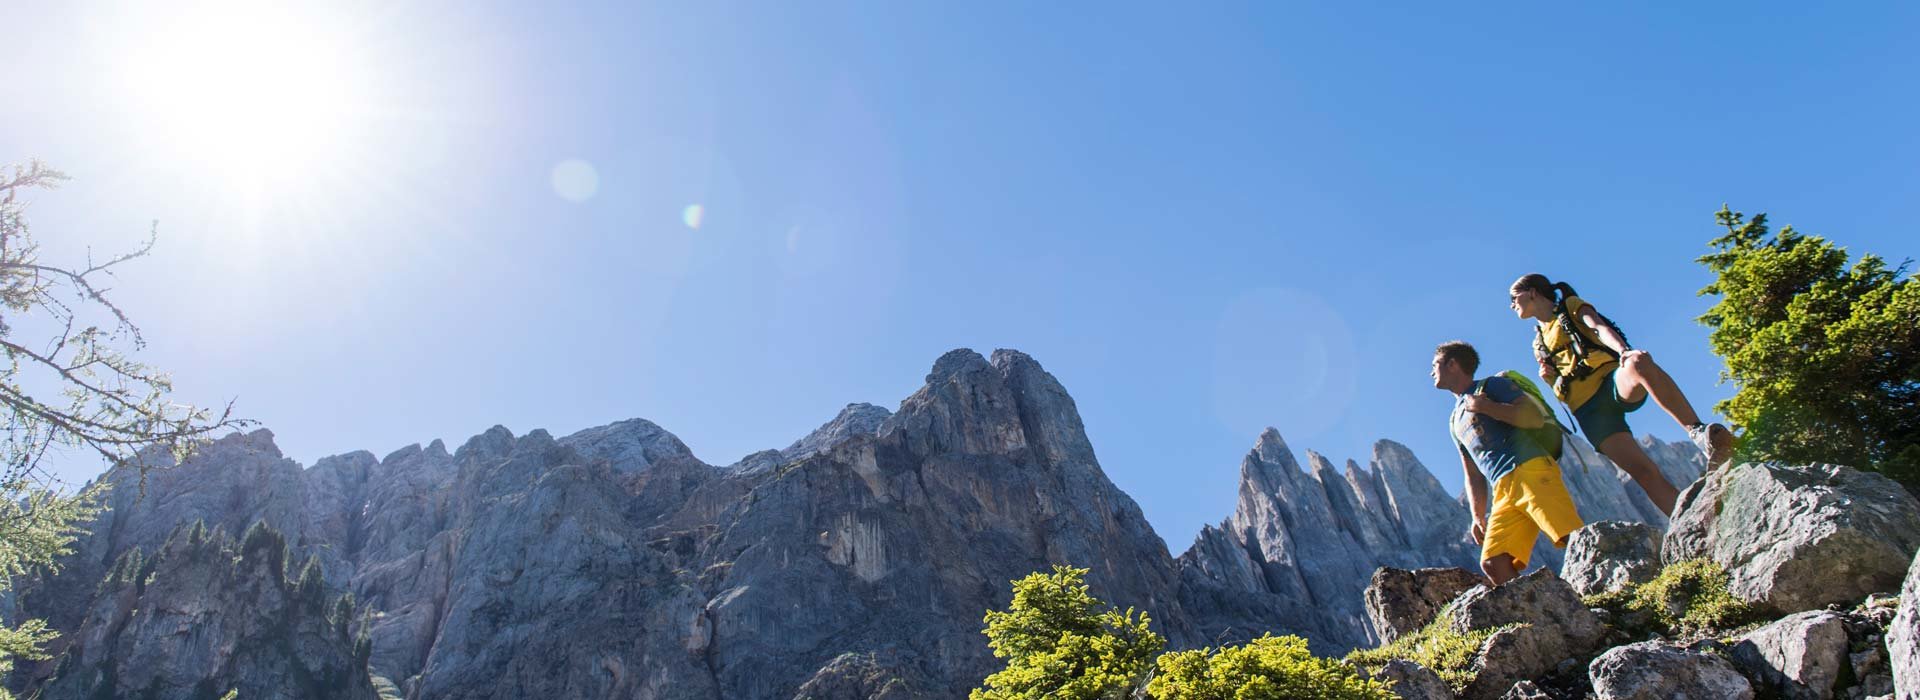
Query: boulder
[1659,671]
[1611,555]
[1798,657]
[1514,655]
[1400,602]
[856,676]
[1540,599]
[1903,638]
[1411,681]
[1795,538]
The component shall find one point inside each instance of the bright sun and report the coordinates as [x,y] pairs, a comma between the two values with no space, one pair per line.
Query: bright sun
[253,93]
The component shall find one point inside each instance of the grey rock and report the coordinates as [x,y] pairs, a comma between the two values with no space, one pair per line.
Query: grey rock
[1796,538]
[856,419]
[1301,543]
[1611,555]
[1799,656]
[1658,671]
[204,615]
[1903,638]
[1400,602]
[1514,655]
[629,445]
[1540,599]
[1526,690]
[1411,681]
[862,676]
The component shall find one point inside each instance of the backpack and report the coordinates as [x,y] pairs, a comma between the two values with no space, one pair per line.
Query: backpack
[1582,339]
[1551,435]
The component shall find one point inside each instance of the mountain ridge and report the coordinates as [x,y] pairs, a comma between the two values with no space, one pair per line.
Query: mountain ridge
[613,560]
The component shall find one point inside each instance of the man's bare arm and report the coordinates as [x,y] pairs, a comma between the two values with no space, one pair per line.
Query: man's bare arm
[1476,493]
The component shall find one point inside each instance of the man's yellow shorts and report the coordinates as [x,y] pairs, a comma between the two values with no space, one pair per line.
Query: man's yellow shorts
[1527,501]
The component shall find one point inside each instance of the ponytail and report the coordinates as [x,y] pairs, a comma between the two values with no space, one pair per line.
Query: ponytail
[1556,292]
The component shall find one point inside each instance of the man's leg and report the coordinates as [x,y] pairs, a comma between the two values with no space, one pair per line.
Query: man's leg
[1627,455]
[1499,569]
[1510,534]
[1546,499]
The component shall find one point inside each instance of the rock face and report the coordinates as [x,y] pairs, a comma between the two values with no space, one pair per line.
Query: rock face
[612,562]
[1658,671]
[1611,555]
[1300,545]
[1903,637]
[1400,602]
[1799,656]
[1796,538]
[203,615]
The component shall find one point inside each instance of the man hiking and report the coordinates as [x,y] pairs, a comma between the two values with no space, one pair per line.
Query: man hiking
[1489,423]
[1601,378]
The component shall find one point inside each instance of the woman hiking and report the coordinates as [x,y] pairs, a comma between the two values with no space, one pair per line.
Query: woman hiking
[1601,378]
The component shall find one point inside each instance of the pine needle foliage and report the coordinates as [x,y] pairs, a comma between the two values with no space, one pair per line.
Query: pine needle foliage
[1061,643]
[1825,354]
[1268,668]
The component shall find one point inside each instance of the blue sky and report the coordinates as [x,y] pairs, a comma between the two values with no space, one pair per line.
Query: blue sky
[1203,220]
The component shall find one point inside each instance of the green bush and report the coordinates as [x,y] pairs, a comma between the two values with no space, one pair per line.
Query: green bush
[1436,646]
[1268,668]
[1060,645]
[1687,598]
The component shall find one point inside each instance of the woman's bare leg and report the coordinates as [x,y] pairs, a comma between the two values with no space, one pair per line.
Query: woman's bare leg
[1627,455]
[1638,376]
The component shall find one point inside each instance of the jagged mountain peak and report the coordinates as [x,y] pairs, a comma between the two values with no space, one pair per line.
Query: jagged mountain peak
[630,445]
[496,441]
[954,363]
[855,419]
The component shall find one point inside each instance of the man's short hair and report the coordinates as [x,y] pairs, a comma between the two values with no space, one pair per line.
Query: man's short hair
[1459,351]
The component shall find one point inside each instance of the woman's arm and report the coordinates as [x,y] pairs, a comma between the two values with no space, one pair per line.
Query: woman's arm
[1609,335]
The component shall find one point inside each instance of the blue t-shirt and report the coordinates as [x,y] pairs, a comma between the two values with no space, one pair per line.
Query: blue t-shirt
[1494,446]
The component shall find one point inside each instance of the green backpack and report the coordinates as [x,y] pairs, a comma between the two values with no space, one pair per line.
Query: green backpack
[1550,435]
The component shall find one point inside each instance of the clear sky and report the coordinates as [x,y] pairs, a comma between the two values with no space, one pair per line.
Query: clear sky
[385,223]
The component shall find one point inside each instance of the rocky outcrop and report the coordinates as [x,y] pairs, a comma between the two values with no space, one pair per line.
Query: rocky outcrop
[1660,671]
[1539,599]
[1400,602]
[1903,637]
[1611,555]
[203,615]
[1798,657]
[855,420]
[1796,538]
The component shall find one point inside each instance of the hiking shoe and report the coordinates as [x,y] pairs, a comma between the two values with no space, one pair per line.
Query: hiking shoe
[1714,440]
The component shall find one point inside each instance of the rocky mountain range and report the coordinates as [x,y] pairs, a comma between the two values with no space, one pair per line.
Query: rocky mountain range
[854,563]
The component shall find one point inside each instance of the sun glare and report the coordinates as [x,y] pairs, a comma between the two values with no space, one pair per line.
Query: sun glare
[250,92]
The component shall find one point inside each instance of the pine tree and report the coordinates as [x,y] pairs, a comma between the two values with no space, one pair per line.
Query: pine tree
[1826,355]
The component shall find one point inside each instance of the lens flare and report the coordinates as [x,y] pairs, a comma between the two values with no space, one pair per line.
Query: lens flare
[693,216]
[575,180]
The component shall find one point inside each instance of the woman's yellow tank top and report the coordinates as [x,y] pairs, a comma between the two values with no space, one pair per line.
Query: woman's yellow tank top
[1560,351]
